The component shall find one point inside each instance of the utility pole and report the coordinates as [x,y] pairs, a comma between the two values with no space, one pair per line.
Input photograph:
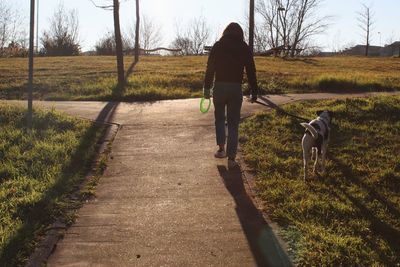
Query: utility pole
[118,45]
[251,26]
[37,27]
[137,32]
[30,78]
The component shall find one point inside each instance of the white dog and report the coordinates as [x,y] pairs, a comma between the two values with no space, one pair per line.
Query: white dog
[315,141]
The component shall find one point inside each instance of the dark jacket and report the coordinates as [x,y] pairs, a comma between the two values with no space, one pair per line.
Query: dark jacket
[227,60]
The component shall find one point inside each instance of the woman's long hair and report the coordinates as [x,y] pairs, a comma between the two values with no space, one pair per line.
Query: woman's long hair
[234,29]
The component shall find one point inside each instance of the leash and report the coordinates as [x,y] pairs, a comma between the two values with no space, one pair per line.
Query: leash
[272,105]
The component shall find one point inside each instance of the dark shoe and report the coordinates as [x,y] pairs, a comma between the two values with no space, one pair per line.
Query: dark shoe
[220,154]
[232,164]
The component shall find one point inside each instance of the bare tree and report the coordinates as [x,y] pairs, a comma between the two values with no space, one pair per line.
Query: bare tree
[194,38]
[106,44]
[261,43]
[182,43]
[115,6]
[336,42]
[268,11]
[307,24]
[150,34]
[290,24]
[277,21]
[118,39]
[261,40]
[6,28]
[366,21]
[62,38]
[11,31]
[199,33]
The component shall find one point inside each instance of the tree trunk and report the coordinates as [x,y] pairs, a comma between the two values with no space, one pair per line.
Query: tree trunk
[368,25]
[251,26]
[118,44]
[137,33]
[30,78]
[300,20]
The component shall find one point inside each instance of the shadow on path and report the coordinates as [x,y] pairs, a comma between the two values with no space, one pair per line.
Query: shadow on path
[262,241]
[107,114]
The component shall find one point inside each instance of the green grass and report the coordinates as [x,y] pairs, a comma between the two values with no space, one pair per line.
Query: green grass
[38,170]
[156,78]
[350,216]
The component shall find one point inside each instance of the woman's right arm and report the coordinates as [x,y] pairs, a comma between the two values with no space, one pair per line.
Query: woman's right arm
[251,74]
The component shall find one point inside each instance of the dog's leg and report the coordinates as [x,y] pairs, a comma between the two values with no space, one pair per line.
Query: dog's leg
[317,159]
[313,153]
[306,155]
[323,157]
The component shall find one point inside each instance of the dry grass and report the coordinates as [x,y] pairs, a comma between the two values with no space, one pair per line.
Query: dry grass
[93,78]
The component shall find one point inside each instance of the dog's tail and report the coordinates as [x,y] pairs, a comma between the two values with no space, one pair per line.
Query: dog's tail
[310,128]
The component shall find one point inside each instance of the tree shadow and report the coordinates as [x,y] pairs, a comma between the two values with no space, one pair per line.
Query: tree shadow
[130,70]
[263,243]
[308,61]
[36,217]
[380,228]
[107,114]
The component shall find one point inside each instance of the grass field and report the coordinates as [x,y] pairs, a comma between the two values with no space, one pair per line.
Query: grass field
[93,78]
[37,171]
[350,217]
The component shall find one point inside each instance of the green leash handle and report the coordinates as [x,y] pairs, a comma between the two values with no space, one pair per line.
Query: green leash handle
[207,108]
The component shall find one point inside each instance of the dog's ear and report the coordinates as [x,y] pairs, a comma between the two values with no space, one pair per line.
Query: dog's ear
[319,112]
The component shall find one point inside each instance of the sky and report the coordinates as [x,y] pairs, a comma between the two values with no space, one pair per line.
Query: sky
[168,14]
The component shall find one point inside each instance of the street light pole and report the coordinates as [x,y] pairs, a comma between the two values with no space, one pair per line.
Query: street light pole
[277,28]
[277,24]
[31,51]
[380,39]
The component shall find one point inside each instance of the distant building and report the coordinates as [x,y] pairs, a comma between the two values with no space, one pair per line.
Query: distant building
[391,50]
[359,50]
[386,51]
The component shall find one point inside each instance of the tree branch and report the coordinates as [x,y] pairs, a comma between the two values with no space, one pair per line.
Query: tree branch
[110,7]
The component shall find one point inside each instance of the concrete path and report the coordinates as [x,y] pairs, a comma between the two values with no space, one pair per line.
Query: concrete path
[164,199]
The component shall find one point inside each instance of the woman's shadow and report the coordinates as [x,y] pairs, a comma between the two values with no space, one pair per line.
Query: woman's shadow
[262,241]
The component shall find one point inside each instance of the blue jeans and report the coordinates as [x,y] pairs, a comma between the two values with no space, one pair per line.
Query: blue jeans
[227,96]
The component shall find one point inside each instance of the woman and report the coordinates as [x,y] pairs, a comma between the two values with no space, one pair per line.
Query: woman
[226,62]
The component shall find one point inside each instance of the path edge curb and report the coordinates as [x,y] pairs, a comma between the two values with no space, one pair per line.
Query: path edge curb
[57,229]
